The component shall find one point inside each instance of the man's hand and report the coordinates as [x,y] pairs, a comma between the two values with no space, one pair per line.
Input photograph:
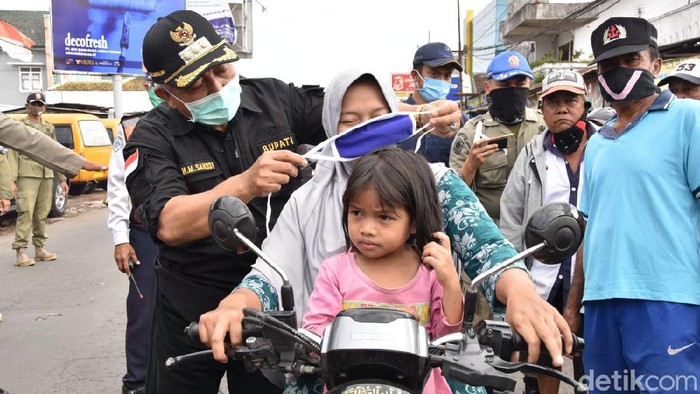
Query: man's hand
[226,320]
[532,317]
[272,170]
[4,206]
[13,189]
[478,154]
[122,253]
[92,166]
[446,119]
[64,187]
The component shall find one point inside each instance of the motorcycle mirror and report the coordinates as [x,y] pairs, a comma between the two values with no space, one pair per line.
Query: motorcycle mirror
[232,226]
[226,214]
[560,226]
[554,232]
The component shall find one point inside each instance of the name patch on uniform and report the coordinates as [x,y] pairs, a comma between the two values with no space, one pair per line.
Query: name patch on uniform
[194,168]
[282,143]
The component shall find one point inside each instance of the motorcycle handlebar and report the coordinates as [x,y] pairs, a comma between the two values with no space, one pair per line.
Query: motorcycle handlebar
[192,331]
[495,334]
[499,336]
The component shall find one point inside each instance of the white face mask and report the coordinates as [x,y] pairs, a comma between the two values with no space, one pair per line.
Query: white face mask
[217,108]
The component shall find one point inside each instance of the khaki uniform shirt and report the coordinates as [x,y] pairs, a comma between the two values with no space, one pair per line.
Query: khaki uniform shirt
[38,146]
[5,178]
[490,179]
[23,166]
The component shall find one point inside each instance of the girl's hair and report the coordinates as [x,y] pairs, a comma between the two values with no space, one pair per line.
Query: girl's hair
[402,179]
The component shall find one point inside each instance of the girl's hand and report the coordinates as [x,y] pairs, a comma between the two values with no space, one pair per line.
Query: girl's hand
[438,256]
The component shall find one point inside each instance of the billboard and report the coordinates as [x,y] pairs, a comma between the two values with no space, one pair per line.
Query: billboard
[105,36]
[403,85]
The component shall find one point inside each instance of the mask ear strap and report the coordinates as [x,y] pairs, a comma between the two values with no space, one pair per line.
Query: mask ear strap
[314,153]
[421,77]
[268,213]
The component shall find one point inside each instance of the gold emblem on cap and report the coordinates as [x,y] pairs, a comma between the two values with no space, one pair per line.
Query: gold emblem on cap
[183,35]
[514,61]
[185,79]
[195,50]
[37,96]
[613,33]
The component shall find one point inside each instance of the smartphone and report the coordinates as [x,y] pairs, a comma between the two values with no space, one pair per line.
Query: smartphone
[501,141]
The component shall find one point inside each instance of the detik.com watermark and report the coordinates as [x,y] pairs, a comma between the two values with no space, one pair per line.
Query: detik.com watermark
[629,380]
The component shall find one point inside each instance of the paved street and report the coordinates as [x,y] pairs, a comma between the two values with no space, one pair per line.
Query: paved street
[64,320]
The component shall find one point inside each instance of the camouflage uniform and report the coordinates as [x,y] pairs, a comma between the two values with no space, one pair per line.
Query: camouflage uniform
[491,178]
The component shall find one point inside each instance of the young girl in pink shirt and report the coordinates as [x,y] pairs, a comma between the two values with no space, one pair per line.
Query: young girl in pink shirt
[397,256]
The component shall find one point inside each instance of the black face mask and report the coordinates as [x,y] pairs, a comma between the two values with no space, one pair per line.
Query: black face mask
[626,84]
[569,140]
[508,105]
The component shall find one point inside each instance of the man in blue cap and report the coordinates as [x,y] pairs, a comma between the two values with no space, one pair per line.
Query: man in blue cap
[477,155]
[433,65]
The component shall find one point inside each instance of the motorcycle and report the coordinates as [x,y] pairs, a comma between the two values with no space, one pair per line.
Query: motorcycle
[373,350]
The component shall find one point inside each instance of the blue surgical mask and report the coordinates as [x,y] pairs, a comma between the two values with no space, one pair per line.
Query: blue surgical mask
[217,108]
[434,89]
[375,133]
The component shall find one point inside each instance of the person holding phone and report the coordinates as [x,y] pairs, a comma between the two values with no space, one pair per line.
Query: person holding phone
[548,170]
[484,150]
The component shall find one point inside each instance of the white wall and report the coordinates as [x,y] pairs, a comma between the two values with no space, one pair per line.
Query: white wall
[132,101]
[673,25]
[678,25]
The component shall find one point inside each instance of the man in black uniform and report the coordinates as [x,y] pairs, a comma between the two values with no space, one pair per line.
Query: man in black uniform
[218,135]
[182,156]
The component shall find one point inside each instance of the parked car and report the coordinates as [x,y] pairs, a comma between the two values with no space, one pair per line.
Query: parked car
[112,125]
[58,200]
[87,136]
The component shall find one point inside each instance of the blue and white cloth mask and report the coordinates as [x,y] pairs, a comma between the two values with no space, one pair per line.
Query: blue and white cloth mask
[375,133]
[217,108]
[434,89]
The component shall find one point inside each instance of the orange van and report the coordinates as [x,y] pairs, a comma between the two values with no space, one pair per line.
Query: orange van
[87,136]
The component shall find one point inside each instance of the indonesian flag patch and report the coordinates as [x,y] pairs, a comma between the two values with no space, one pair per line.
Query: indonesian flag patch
[131,164]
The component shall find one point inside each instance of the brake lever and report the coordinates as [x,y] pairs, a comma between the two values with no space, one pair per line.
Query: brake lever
[469,362]
[511,367]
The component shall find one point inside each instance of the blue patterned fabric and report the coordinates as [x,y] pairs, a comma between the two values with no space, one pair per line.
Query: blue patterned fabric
[474,237]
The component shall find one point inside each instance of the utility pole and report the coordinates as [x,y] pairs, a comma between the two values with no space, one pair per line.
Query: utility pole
[460,53]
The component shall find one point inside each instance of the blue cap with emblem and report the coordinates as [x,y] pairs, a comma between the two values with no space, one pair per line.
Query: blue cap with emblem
[435,54]
[508,64]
